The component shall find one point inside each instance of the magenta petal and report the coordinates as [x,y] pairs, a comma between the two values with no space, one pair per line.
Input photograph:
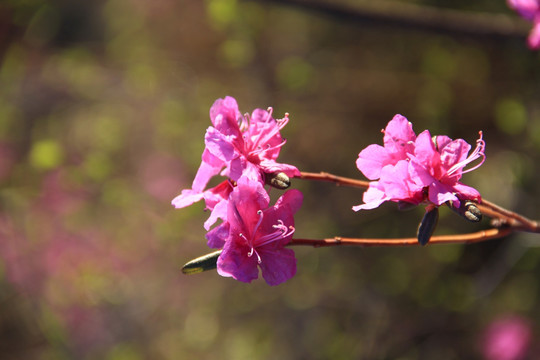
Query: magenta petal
[219,145]
[292,199]
[399,136]
[420,175]
[217,237]
[225,115]
[235,262]
[453,153]
[425,152]
[272,167]
[440,193]
[210,166]
[236,168]
[219,212]
[248,170]
[371,160]
[245,201]
[260,116]
[186,198]
[277,265]
[372,198]
[217,193]
[467,192]
[396,182]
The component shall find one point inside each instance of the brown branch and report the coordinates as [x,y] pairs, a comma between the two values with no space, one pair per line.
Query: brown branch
[529,225]
[338,180]
[209,261]
[469,238]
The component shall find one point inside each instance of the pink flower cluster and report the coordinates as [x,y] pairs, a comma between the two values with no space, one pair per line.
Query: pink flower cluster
[416,169]
[252,233]
[530,10]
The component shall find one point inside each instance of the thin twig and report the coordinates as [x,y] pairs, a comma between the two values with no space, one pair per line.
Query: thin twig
[209,261]
[531,225]
[475,237]
[338,180]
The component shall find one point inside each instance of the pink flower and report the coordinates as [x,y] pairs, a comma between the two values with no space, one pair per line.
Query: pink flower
[508,338]
[415,169]
[238,146]
[530,10]
[398,140]
[438,165]
[258,234]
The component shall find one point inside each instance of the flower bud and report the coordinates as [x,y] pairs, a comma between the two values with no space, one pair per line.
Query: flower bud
[468,210]
[472,213]
[202,263]
[428,225]
[278,180]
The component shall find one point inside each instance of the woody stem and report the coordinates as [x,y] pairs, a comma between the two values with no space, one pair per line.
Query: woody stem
[479,236]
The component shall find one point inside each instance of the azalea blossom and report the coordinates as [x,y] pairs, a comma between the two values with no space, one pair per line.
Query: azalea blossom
[238,145]
[257,234]
[529,10]
[415,169]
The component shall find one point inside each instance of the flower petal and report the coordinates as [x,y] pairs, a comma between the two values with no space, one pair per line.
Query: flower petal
[440,193]
[217,237]
[372,198]
[225,115]
[453,153]
[219,145]
[186,198]
[292,199]
[277,265]
[466,192]
[218,212]
[272,167]
[210,166]
[247,198]
[399,137]
[235,262]
[371,160]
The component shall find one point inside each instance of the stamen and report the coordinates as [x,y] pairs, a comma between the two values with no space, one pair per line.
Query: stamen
[244,237]
[281,232]
[264,137]
[282,122]
[478,152]
[261,150]
[269,110]
[260,213]
[244,123]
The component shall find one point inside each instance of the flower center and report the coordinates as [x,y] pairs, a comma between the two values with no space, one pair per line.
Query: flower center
[281,231]
[256,145]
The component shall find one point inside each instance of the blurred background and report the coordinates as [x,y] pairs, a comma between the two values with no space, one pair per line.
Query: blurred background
[103,109]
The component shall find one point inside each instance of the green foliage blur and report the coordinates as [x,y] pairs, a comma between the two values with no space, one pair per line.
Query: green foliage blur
[103,110]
